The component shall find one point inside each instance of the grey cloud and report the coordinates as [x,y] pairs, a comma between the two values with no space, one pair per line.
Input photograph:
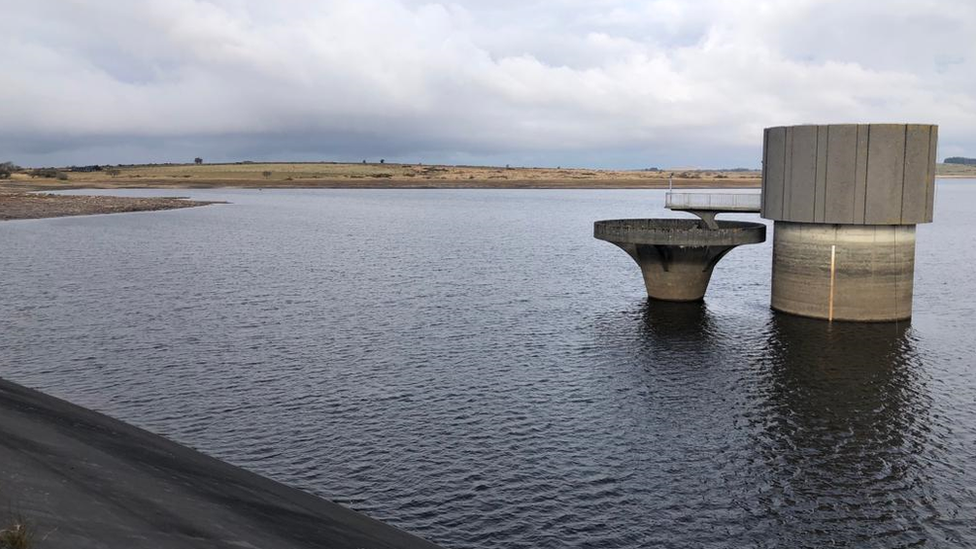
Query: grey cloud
[602,83]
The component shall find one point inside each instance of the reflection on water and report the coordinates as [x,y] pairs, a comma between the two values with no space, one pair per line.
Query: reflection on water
[846,422]
[801,433]
[417,356]
[670,323]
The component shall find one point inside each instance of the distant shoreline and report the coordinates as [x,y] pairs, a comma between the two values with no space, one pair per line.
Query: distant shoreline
[30,200]
[365,175]
[375,183]
[19,198]
[333,175]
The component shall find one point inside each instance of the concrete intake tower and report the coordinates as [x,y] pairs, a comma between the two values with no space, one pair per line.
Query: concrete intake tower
[845,200]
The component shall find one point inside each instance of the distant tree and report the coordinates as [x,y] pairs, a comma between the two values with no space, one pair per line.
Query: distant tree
[7,169]
[198,160]
[961,160]
[364,161]
[382,161]
[85,169]
[62,176]
[266,174]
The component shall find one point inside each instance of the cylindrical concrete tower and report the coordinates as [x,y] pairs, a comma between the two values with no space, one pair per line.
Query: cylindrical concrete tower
[845,199]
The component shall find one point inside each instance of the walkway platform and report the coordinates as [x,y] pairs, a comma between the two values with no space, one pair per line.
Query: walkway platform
[714,202]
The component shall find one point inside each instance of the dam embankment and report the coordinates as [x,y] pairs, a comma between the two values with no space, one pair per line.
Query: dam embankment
[83,479]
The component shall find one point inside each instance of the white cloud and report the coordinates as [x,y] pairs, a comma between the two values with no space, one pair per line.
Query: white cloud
[596,82]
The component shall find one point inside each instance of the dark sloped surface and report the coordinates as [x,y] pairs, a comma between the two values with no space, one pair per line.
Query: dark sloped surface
[86,480]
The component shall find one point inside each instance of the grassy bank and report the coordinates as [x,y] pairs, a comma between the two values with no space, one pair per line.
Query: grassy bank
[337,175]
[956,171]
[391,176]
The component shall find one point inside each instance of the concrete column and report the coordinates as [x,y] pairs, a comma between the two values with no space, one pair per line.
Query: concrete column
[844,272]
[674,273]
[845,199]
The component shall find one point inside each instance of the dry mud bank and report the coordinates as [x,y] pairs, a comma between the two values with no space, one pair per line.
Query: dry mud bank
[18,205]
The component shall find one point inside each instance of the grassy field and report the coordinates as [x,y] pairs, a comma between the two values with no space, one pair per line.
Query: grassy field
[956,170]
[338,175]
[335,175]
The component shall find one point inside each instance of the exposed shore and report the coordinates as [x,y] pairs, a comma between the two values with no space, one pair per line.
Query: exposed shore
[36,206]
[334,175]
[15,203]
[374,176]
[83,479]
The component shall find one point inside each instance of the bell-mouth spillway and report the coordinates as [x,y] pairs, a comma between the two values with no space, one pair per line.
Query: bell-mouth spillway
[677,256]
[679,232]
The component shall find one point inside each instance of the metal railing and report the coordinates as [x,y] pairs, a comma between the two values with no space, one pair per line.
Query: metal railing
[726,202]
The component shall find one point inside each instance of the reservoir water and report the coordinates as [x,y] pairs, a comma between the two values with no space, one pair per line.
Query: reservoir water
[474,367]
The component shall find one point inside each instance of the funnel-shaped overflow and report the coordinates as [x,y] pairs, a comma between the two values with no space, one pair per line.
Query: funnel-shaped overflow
[676,256]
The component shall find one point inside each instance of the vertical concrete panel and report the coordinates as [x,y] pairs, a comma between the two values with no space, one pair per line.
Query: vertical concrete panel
[841,169]
[774,167]
[877,174]
[823,133]
[803,174]
[763,188]
[914,206]
[930,188]
[860,172]
[885,175]
[787,171]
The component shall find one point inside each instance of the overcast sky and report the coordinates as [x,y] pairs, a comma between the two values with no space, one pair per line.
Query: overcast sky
[599,83]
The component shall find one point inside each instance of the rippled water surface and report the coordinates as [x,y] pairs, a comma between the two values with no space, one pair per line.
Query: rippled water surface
[474,367]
